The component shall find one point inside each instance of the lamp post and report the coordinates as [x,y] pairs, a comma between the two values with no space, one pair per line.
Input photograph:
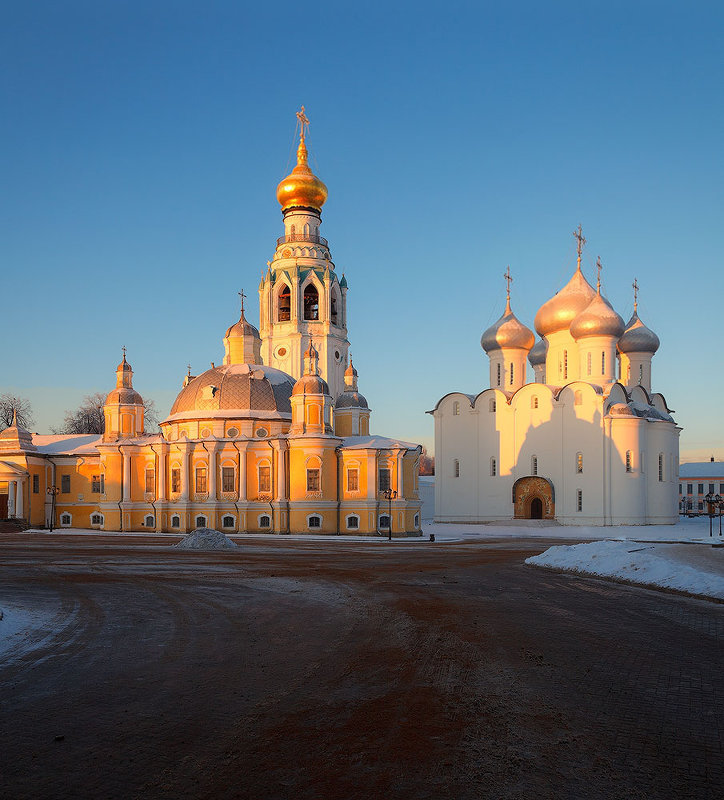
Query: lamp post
[389,495]
[52,491]
[713,501]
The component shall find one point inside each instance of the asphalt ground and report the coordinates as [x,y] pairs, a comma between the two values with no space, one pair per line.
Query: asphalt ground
[293,669]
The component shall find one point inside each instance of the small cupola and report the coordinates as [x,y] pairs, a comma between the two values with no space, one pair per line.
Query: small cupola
[242,343]
[311,400]
[351,411]
[123,410]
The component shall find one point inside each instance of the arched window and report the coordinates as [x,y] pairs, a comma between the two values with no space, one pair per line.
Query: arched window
[629,461]
[150,480]
[227,521]
[534,402]
[416,523]
[264,521]
[456,408]
[534,465]
[284,307]
[200,479]
[96,519]
[641,373]
[579,463]
[628,374]
[65,520]
[352,522]
[511,373]
[565,364]
[384,521]
[201,521]
[333,307]
[456,468]
[149,522]
[588,364]
[493,467]
[313,478]
[579,500]
[175,521]
[314,521]
[661,466]
[498,375]
[311,302]
[264,477]
[603,363]
[491,406]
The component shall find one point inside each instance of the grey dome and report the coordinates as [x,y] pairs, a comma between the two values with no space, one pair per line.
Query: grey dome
[351,400]
[637,338]
[244,387]
[597,319]
[538,354]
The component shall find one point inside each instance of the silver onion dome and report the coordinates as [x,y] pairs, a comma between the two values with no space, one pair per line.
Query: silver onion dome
[637,338]
[537,355]
[597,319]
[508,331]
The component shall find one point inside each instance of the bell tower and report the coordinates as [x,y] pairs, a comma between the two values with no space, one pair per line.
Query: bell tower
[300,296]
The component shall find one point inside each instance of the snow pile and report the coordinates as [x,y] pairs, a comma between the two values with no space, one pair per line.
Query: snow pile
[205,539]
[637,562]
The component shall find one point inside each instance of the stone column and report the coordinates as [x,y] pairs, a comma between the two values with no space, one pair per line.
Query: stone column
[242,474]
[162,475]
[19,509]
[126,477]
[11,499]
[281,472]
[184,475]
[372,475]
[212,473]
[400,475]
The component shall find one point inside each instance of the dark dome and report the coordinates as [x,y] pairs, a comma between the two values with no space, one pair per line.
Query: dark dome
[241,387]
[351,400]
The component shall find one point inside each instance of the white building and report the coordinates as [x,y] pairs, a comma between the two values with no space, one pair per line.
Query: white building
[696,480]
[586,443]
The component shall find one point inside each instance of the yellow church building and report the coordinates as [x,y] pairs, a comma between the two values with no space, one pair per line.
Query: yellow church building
[275,439]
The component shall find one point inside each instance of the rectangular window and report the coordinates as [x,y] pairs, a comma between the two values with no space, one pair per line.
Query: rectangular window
[661,466]
[629,461]
[312,481]
[150,481]
[588,364]
[690,488]
[36,484]
[534,465]
[579,500]
[498,382]
[679,488]
[701,506]
[711,488]
[384,479]
[493,467]
[65,484]
[456,468]
[201,480]
[352,480]
[176,480]
[265,478]
[352,522]
[579,462]
[565,364]
[96,484]
[721,488]
[603,363]
[701,488]
[227,479]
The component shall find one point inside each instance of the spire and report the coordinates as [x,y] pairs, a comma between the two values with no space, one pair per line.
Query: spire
[302,189]
[350,377]
[242,343]
[311,360]
[124,373]
[302,149]
[599,267]
[508,281]
[581,241]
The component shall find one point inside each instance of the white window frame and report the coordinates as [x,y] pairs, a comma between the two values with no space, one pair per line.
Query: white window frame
[315,515]
[204,518]
[354,517]
[178,520]
[67,524]
[266,515]
[97,524]
[224,517]
[153,521]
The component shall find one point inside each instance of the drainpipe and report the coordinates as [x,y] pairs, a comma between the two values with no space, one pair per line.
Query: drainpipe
[340,476]
[238,477]
[120,500]
[271,502]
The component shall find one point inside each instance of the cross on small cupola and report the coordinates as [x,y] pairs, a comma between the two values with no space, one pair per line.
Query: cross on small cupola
[599,267]
[508,280]
[242,296]
[635,286]
[581,241]
[303,122]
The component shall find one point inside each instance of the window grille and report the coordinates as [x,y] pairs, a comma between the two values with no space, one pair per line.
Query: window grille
[352,479]
[312,480]
[227,479]
[384,479]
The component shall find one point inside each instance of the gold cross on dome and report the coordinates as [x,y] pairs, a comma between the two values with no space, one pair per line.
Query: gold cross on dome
[599,267]
[303,121]
[242,296]
[581,240]
[635,285]
[508,279]
[124,352]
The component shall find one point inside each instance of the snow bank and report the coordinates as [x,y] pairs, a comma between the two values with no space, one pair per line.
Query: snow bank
[205,539]
[648,565]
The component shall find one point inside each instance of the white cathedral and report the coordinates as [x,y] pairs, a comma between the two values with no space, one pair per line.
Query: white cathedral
[585,443]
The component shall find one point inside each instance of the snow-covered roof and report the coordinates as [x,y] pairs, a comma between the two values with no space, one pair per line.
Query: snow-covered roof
[702,469]
[64,443]
[376,443]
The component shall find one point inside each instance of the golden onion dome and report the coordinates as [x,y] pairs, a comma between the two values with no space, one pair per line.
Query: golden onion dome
[558,312]
[597,319]
[508,331]
[302,187]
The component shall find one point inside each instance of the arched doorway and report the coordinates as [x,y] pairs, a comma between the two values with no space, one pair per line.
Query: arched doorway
[533,498]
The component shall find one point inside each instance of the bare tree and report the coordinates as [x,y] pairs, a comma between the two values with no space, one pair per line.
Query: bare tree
[10,403]
[89,418]
[427,463]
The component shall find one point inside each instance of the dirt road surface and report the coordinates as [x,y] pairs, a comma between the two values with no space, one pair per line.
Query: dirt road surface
[292,669]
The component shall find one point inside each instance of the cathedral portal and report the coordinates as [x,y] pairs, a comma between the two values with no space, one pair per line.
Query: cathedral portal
[533,498]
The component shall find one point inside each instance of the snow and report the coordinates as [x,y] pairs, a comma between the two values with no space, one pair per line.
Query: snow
[685,568]
[376,443]
[53,444]
[206,539]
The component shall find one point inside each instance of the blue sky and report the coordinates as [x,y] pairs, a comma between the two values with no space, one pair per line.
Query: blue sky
[141,146]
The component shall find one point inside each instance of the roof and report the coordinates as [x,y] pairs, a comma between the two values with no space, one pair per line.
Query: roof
[65,443]
[702,469]
[376,443]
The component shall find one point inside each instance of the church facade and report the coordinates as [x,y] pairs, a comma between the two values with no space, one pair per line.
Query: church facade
[275,439]
[587,442]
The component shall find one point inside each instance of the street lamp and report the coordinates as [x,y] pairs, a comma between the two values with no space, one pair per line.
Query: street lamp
[389,495]
[52,491]
[713,501]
